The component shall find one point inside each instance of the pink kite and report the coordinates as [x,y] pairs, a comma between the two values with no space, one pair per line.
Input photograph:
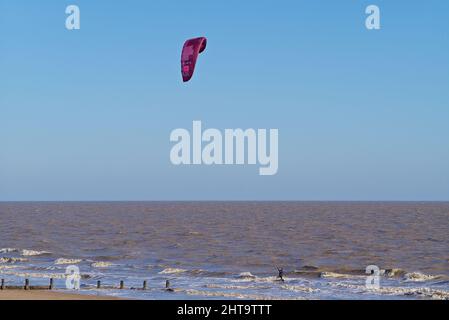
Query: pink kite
[192,48]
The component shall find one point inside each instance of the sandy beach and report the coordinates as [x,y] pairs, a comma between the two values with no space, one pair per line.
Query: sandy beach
[48,295]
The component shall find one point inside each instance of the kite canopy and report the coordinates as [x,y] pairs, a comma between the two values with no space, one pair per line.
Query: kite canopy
[192,48]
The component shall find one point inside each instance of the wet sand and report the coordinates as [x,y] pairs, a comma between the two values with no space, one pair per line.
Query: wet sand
[48,295]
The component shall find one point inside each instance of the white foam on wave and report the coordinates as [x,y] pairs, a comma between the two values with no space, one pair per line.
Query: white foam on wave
[247,274]
[411,276]
[26,252]
[6,267]
[8,250]
[395,272]
[234,295]
[35,275]
[297,288]
[419,277]
[249,277]
[172,271]
[101,264]
[67,261]
[398,291]
[232,287]
[12,260]
[328,274]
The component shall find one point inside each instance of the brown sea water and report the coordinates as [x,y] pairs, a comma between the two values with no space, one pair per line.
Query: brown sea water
[225,239]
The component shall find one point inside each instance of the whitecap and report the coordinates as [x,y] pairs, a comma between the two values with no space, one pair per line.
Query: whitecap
[247,275]
[101,264]
[233,295]
[172,270]
[35,275]
[12,260]
[67,261]
[328,274]
[419,277]
[233,287]
[398,291]
[26,252]
[8,250]
[297,288]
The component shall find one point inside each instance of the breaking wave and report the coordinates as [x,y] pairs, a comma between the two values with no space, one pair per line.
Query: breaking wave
[328,274]
[26,253]
[172,271]
[399,291]
[231,287]
[35,275]
[389,273]
[297,288]
[6,267]
[12,260]
[246,275]
[420,277]
[393,273]
[67,261]
[249,277]
[8,250]
[101,264]
[232,295]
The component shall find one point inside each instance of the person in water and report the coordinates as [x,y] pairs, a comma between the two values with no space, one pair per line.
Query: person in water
[281,274]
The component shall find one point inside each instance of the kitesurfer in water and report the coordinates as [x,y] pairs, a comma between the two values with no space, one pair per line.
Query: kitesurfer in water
[281,274]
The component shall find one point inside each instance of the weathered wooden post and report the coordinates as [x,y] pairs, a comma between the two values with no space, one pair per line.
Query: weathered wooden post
[144,287]
[51,284]
[167,286]
[27,284]
[122,284]
[2,287]
[98,284]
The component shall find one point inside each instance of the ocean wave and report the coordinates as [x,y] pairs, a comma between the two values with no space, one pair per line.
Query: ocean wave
[233,295]
[399,291]
[270,279]
[308,271]
[67,261]
[8,250]
[345,273]
[233,287]
[205,273]
[393,272]
[297,288]
[390,273]
[420,277]
[194,233]
[249,277]
[6,267]
[172,271]
[246,274]
[35,275]
[101,264]
[12,260]
[26,252]
[328,274]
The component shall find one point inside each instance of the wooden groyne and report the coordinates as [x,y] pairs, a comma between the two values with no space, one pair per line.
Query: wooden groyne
[99,286]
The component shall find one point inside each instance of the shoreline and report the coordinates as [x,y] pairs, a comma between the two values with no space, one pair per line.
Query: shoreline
[49,295]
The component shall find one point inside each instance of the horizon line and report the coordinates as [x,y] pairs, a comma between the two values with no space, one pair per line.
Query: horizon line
[229,200]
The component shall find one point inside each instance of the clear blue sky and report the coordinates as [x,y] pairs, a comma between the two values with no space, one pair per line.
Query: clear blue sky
[362,115]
